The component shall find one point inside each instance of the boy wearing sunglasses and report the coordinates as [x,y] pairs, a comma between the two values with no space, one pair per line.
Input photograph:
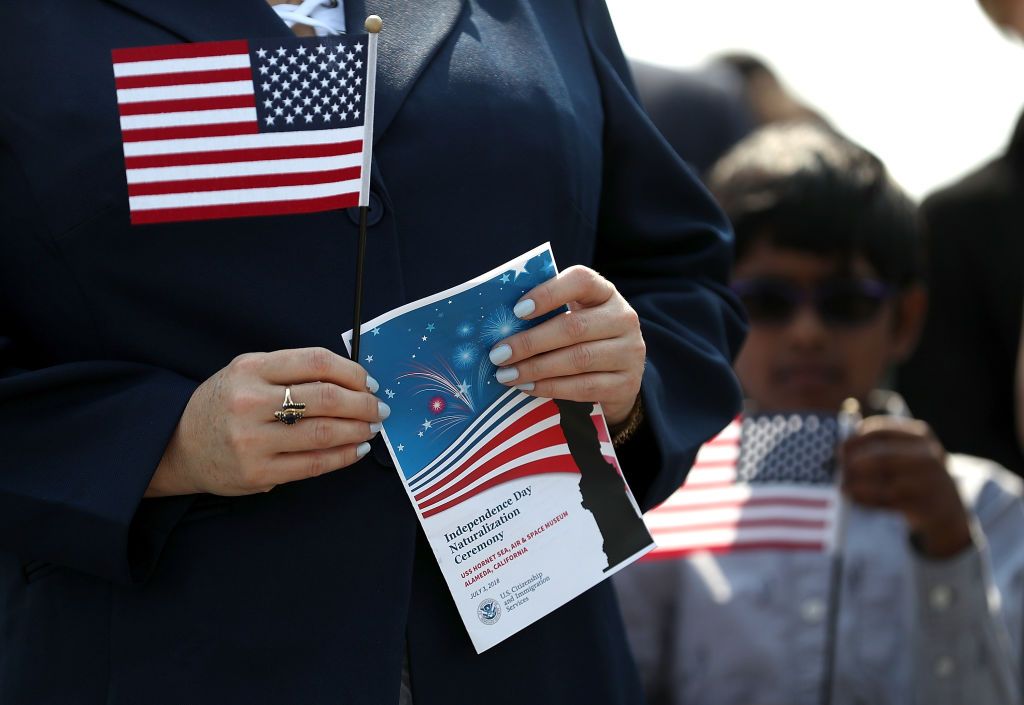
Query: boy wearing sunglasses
[932,580]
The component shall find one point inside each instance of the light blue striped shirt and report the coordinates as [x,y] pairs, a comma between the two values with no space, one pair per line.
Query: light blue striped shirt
[749,627]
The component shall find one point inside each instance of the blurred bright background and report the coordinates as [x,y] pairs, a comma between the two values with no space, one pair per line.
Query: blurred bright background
[933,88]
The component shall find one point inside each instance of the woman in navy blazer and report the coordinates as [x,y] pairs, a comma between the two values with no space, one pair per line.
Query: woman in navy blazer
[499,124]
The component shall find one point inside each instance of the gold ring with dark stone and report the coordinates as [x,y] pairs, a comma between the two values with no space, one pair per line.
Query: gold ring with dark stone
[291,411]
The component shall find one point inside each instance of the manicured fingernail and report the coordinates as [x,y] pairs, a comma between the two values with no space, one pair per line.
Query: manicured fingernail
[526,387]
[384,410]
[376,427]
[524,308]
[506,374]
[371,384]
[362,449]
[501,353]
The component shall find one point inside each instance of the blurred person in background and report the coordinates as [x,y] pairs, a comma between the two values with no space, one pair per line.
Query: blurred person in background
[1020,390]
[703,112]
[961,378]
[770,100]
[932,589]
[1007,14]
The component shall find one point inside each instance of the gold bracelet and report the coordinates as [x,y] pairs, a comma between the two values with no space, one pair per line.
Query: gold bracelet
[630,425]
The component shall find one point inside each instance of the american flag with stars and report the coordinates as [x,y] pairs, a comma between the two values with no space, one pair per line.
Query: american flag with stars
[766,482]
[245,128]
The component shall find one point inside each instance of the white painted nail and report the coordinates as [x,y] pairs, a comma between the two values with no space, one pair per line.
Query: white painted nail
[371,384]
[376,427]
[526,387]
[506,374]
[362,449]
[384,410]
[501,353]
[524,308]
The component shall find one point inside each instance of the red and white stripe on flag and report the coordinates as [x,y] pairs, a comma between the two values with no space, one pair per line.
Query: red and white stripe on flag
[231,129]
[715,512]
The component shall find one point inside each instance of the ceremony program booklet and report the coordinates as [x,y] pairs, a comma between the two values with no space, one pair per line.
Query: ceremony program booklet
[521,498]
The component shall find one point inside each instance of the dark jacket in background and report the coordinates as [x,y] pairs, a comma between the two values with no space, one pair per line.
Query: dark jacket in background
[701,112]
[961,378]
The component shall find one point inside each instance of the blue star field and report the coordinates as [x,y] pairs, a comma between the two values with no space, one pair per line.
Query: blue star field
[432,362]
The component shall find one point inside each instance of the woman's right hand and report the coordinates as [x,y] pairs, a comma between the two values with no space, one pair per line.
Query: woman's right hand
[228,441]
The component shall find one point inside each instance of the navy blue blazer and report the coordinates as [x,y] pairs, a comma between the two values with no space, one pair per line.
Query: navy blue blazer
[500,124]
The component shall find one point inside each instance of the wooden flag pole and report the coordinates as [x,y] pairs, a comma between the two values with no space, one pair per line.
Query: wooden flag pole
[373,26]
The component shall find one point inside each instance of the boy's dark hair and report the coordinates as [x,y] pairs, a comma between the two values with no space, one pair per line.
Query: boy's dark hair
[805,187]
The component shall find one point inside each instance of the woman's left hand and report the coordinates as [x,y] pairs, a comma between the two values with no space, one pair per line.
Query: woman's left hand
[593,353]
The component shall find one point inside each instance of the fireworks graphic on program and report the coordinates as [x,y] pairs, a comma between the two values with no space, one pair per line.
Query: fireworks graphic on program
[466,355]
[499,325]
[452,401]
[441,380]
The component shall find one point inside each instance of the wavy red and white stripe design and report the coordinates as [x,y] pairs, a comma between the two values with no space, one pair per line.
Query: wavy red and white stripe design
[515,437]
[714,512]
[194,149]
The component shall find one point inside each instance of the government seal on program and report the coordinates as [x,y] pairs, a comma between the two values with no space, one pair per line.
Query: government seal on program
[488,611]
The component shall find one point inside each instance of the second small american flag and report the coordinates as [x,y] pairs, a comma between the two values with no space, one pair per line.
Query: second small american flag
[243,128]
[765,483]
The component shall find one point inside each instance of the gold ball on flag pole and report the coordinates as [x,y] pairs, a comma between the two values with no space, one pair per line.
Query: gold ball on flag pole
[373,24]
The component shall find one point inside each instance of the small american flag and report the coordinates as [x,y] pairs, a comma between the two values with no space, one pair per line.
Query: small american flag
[765,482]
[245,128]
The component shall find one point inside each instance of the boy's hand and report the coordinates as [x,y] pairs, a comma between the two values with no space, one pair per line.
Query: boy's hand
[899,464]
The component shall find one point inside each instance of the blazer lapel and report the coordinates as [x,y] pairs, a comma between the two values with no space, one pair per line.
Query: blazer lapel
[413,31]
[210,20]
